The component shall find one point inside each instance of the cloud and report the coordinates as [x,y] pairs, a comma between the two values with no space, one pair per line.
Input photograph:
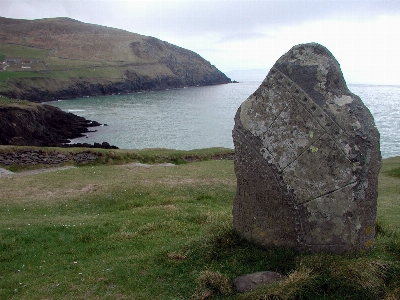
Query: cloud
[188,17]
[243,36]
[240,34]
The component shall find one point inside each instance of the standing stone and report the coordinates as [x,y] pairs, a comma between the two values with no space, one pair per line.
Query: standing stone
[306,158]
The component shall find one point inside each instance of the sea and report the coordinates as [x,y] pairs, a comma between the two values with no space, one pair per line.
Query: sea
[202,117]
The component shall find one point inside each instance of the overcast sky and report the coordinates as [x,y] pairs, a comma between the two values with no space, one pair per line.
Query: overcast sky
[363,35]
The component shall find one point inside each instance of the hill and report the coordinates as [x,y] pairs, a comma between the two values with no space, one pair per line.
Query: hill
[61,58]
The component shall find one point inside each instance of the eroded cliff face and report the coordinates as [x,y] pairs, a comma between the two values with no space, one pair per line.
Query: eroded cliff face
[39,125]
[48,89]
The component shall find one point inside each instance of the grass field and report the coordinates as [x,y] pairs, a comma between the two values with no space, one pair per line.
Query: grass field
[7,102]
[127,231]
[19,51]
[39,65]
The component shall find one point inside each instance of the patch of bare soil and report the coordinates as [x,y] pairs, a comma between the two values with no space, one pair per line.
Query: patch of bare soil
[7,173]
[4,172]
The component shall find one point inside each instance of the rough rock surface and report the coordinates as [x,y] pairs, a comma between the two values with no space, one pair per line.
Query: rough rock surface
[306,158]
[250,282]
[29,157]
[39,125]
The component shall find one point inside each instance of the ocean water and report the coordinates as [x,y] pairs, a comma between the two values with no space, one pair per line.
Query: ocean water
[384,103]
[202,117]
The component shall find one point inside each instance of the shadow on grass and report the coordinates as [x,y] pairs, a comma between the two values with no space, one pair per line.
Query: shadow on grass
[222,255]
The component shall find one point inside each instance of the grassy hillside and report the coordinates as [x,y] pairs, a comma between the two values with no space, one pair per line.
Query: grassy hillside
[7,102]
[50,58]
[125,231]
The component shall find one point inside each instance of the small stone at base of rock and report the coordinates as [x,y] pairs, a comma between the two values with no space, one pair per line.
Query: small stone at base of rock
[250,282]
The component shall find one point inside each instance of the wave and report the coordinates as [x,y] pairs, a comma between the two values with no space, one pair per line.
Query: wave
[75,110]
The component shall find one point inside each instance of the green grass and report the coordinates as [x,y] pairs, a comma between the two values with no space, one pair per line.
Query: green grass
[5,101]
[55,68]
[110,230]
[389,193]
[5,75]
[100,72]
[394,173]
[11,51]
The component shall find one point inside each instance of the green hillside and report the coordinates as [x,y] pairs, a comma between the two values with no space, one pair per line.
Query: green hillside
[57,58]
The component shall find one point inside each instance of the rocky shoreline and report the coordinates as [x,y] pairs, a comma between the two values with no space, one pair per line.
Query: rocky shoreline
[30,124]
[80,88]
[103,145]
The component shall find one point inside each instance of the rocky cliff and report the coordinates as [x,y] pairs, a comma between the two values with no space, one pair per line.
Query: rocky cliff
[61,58]
[24,123]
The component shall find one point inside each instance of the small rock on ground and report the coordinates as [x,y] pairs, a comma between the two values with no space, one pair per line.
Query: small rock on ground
[250,282]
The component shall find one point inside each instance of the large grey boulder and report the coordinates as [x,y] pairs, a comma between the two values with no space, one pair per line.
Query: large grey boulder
[307,158]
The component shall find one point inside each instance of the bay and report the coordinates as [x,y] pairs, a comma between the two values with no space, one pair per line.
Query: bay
[202,117]
[383,101]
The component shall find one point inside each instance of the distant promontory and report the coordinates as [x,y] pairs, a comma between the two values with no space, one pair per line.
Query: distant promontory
[24,123]
[61,58]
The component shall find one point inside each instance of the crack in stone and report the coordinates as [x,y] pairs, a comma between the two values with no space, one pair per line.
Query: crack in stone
[330,192]
[311,113]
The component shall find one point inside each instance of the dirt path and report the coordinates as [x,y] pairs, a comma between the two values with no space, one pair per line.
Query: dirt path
[6,173]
